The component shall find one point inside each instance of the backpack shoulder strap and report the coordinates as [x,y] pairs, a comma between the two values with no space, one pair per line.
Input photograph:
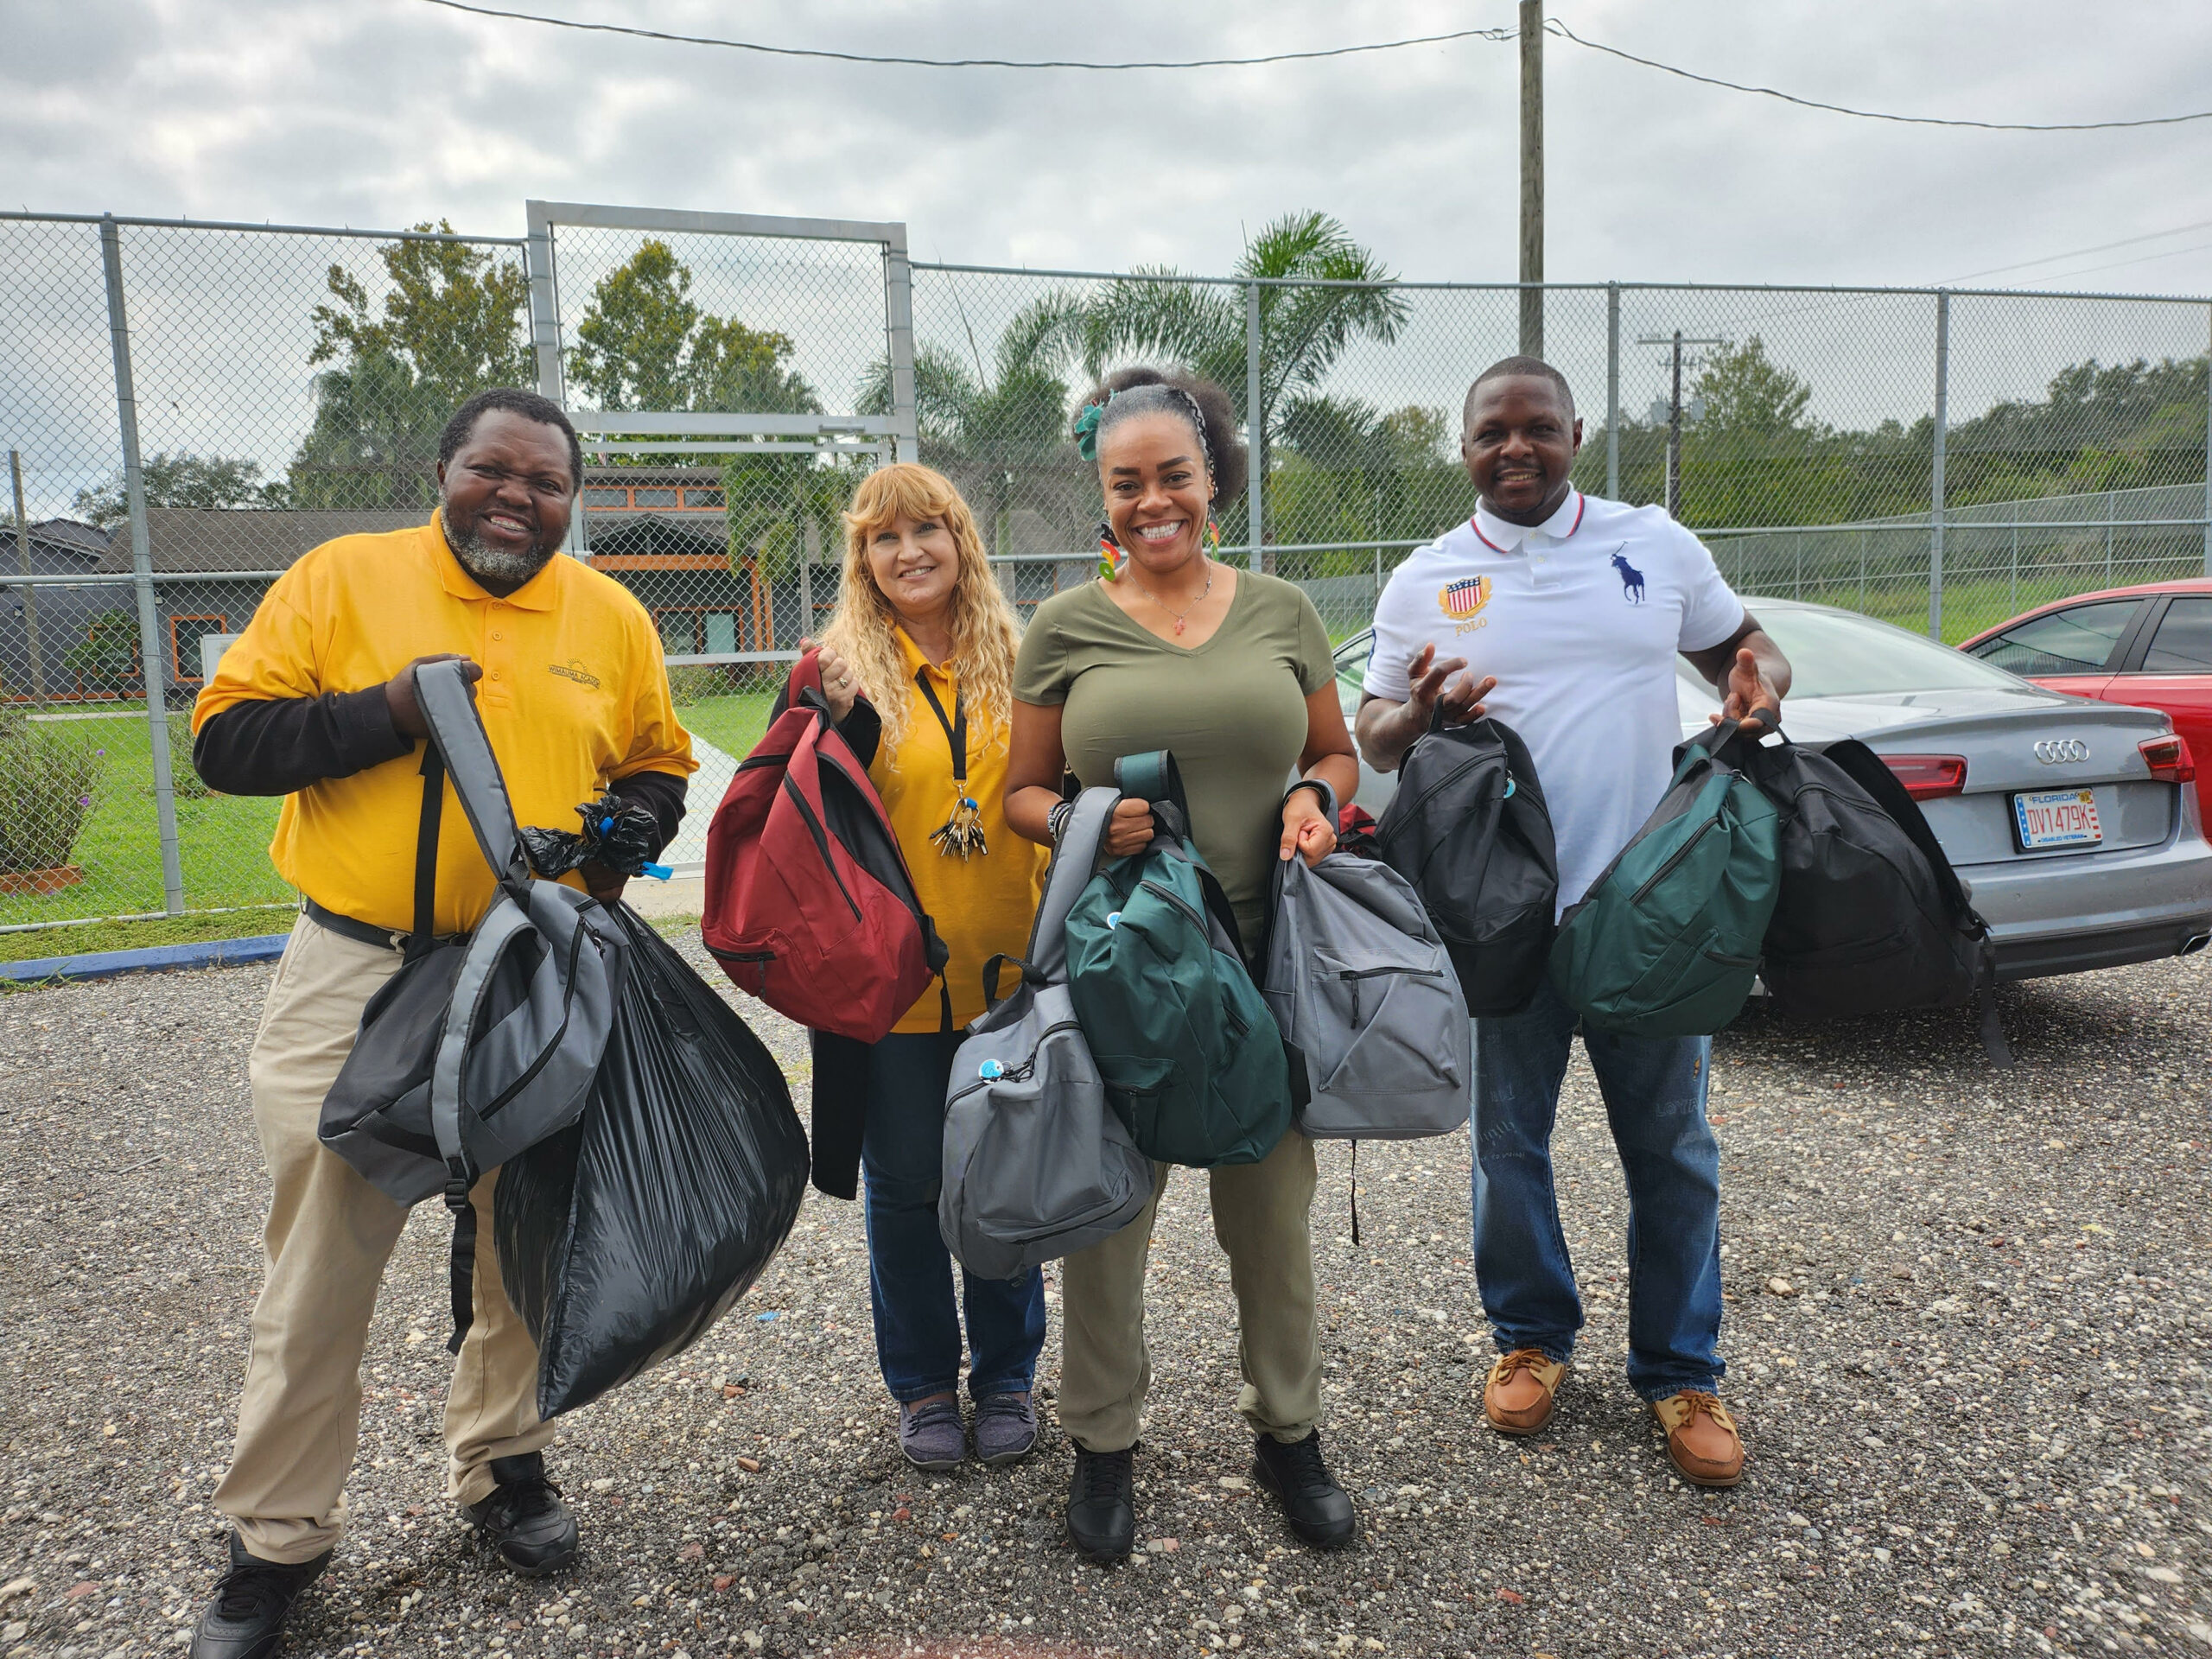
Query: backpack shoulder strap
[426,851]
[449,706]
[1075,859]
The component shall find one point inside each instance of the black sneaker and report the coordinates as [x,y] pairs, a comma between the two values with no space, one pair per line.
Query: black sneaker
[246,1618]
[1318,1509]
[1102,1504]
[524,1518]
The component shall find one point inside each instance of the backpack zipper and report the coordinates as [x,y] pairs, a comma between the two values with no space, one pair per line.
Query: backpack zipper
[1021,1073]
[1176,901]
[1674,859]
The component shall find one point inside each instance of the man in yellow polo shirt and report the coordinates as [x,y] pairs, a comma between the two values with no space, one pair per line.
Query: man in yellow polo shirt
[315,703]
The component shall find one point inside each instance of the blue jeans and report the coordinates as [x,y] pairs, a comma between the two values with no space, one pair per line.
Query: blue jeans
[1654,1090]
[909,1269]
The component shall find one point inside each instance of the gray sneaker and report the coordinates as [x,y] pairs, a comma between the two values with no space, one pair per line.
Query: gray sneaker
[1005,1428]
[930,1434]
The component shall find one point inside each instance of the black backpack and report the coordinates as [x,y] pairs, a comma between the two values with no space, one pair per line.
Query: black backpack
[1469,829]
[1871,918]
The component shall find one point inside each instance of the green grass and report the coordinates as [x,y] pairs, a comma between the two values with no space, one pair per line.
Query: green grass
[222,841]
[733,722]
[138,936]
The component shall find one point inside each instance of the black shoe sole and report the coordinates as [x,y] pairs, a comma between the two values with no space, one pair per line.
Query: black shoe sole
[1105,1555]
[1344,1539]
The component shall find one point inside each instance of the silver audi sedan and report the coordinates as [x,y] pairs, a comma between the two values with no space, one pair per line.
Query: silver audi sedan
[2072,821]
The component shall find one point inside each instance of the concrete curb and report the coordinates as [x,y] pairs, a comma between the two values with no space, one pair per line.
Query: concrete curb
[156,958]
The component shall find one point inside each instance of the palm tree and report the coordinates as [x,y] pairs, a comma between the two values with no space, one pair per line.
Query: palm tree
[1000,431]
[1304,330]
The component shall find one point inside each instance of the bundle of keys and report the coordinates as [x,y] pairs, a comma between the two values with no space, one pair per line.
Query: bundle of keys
[961,835]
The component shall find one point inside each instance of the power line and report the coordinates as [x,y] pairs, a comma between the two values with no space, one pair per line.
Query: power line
[972,63]
[2076,253]
[1565,33]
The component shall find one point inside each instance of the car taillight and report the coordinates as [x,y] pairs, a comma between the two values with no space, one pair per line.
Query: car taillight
[1927,776]
[2169,759]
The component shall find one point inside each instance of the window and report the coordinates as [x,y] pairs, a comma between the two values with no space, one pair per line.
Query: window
[696,498]
[2077,640]
[646,497]
[605,496]
[692,631]
[185,635]
[1834,654]
[2183,643]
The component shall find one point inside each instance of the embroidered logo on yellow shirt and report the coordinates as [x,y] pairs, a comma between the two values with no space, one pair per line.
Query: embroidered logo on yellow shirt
[1461,600]
[573,670]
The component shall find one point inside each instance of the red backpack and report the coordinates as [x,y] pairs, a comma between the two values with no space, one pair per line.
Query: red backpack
[809,905]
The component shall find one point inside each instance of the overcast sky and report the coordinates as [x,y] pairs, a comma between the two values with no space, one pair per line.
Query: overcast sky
[381,112]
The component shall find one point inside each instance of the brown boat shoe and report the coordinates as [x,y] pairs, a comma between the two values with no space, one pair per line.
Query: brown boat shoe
[1701,1439]
[1523,1391]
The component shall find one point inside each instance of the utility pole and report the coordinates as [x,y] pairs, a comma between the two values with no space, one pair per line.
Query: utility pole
[30,594]
[1532,177]
[1675,342]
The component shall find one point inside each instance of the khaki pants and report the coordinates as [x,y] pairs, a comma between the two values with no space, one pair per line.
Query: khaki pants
[328,1237]
[1260,1218]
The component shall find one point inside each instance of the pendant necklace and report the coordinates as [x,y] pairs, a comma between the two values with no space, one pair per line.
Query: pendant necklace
[1187,609]
[960,835]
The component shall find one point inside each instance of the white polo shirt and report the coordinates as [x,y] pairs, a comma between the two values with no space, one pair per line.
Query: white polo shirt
[1580,620]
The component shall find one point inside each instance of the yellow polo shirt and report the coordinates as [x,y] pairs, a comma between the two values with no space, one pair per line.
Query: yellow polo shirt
[573,696]
[981,905]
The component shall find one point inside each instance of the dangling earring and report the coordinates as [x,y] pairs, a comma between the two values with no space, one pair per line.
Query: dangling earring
[1213,535]
[1109,552]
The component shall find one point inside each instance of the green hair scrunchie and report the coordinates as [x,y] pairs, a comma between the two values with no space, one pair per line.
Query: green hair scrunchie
[1086,431]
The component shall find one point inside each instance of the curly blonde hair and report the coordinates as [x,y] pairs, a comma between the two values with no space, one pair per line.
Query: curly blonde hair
[984,634]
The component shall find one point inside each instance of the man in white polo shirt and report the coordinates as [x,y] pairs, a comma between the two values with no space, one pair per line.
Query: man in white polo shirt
[1571,611]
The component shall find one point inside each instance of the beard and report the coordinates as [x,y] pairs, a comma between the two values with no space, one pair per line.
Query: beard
[495,564]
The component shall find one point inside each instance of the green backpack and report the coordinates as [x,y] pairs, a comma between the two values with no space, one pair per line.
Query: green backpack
[1666,943]
[1192,1061]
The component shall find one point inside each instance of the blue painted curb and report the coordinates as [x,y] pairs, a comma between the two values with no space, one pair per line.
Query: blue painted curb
[153,958]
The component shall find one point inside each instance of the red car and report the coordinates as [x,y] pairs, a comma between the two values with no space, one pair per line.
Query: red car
[2149,647]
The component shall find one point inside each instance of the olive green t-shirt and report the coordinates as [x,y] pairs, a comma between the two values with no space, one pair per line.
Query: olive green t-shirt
[1232,711]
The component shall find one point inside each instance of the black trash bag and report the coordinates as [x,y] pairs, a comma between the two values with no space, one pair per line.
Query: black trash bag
[621,835]
[625,1237]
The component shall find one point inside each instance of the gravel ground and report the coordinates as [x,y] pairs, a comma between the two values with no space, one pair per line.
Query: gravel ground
[1967,1328]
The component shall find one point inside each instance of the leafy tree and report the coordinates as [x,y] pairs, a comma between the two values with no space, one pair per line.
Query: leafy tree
[179,480]
[449,325]
[644,343]
[1000,432]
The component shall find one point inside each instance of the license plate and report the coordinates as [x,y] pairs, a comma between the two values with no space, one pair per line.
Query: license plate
[2056,818]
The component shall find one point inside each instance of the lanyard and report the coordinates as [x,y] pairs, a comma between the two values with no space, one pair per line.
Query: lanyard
[960,835]
[955,729]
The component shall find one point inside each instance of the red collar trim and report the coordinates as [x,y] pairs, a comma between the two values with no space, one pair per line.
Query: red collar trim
[1581,503]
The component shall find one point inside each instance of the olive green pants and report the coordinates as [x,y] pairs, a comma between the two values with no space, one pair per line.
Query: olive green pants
[1259,1219]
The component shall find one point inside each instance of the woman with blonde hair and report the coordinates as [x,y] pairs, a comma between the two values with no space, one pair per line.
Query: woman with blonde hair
[918,666]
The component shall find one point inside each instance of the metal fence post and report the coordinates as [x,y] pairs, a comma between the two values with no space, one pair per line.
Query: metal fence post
[544,301]
[30,594]
[1255,432]
[2013,588]
[2112,507]
[1936,479]
[1613,391]
[898,313]
[142,568]
[2207,457]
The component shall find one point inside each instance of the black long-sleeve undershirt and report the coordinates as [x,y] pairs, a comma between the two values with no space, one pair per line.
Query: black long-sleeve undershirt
[277,746]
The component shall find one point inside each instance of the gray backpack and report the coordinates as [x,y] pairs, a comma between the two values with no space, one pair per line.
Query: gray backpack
[1362,986]
[478,1048]
[1036,1166]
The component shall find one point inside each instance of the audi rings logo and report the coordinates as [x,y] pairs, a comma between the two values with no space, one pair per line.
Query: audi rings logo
[2062,750]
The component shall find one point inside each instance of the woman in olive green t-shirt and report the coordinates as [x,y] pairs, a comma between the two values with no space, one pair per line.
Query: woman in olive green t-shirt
[1229,671]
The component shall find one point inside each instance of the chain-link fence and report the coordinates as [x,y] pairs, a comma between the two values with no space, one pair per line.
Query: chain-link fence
[195,406]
